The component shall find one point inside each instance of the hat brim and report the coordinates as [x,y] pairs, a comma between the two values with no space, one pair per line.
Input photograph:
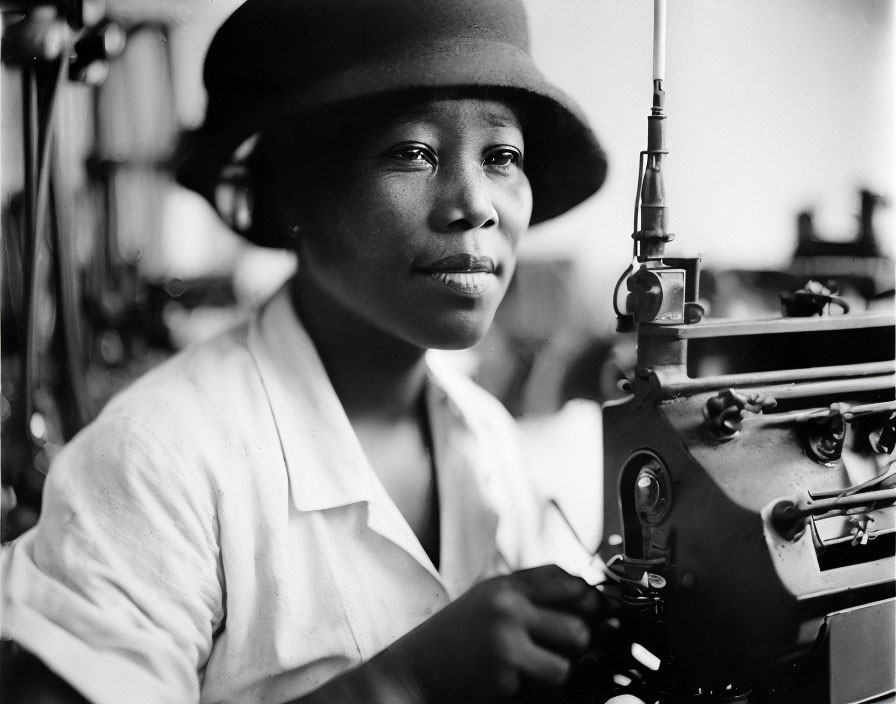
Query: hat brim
[564,160]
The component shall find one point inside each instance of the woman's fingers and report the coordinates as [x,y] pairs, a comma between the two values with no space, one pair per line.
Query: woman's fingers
[560,632]
[525,626]
[550,585]
[541,665]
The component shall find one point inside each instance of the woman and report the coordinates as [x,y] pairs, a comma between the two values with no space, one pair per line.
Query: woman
[307,508]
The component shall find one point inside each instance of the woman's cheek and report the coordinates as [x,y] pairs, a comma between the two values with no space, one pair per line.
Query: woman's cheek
[524,203]
[388,214]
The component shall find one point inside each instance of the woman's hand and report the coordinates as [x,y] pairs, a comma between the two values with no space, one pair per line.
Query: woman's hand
[528,626]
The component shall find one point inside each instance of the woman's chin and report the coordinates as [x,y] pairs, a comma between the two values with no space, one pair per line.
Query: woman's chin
[455,336]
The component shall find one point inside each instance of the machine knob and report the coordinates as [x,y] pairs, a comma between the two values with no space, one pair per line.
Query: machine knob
[789,520]
[826,435]
[724,412]
[883,440]
[811,300]
[645,295]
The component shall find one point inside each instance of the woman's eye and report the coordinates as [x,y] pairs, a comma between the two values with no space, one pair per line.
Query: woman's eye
[503,157]
[414,153]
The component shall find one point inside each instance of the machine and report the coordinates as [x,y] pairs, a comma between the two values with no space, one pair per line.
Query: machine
[750,484]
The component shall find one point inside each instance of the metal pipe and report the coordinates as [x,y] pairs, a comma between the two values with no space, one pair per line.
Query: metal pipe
[653,232]
[815,507]
[789,519]
[838,377]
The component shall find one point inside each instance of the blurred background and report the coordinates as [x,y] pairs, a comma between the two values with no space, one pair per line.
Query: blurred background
[781,128]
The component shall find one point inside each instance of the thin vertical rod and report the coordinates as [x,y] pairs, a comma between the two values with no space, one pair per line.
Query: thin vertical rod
[659,40]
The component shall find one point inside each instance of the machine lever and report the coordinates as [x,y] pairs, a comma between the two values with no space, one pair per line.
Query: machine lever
[789,519]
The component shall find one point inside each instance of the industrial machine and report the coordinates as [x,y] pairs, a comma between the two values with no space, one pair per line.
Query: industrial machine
[749,484]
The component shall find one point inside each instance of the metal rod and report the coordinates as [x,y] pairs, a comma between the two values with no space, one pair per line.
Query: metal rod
[651,237]
[659,40]
[810,507]
[673,383]
[868,409]
[848,412]
[790,519]
[31,130]
[888,473]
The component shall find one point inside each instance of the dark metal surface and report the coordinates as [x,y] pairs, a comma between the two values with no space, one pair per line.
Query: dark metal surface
[862,653]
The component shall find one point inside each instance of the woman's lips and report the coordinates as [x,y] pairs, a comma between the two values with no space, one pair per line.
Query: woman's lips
[465,273]
[462,263]
[472,283]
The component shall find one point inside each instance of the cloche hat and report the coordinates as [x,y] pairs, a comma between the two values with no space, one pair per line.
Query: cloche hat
[273,60]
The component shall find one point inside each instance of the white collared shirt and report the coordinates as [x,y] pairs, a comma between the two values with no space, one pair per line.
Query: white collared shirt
[218,535]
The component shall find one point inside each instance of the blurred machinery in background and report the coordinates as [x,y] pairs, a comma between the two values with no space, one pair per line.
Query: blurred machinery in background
[45,333]
[88,130]
[856,268]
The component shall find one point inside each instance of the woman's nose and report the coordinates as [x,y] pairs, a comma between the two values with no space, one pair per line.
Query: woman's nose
[464,202]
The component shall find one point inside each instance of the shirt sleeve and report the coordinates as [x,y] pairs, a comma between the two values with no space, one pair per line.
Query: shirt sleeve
[118,589]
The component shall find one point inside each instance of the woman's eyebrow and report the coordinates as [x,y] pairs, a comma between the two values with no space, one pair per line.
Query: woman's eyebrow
[499,119]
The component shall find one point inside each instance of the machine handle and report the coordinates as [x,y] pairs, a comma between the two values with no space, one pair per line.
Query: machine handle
[849,413]
[789,519]
[817,507]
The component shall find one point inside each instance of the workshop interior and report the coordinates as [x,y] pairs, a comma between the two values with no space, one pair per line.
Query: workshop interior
[726,302]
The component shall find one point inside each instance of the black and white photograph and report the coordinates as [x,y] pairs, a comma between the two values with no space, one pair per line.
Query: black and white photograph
[448,351]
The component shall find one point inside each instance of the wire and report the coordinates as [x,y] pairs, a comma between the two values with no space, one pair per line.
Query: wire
[641,168]
[631,267]
[40,201]
[623,277]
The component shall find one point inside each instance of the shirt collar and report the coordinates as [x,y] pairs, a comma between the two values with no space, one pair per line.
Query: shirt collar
[321,450]
[326,464]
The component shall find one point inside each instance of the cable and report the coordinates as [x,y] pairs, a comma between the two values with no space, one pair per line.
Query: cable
[631,267]
[39,201]
[623,277]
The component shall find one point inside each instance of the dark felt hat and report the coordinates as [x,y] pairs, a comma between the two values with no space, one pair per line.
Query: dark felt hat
[276,59]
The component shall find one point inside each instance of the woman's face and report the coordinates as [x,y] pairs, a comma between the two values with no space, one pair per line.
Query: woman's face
[413,231]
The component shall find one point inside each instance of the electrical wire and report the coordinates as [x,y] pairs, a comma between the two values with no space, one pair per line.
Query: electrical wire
[38,200]
[631,267]
[623,277]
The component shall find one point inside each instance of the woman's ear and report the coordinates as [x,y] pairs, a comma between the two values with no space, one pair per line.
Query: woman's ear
[278,194]
[288,199]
